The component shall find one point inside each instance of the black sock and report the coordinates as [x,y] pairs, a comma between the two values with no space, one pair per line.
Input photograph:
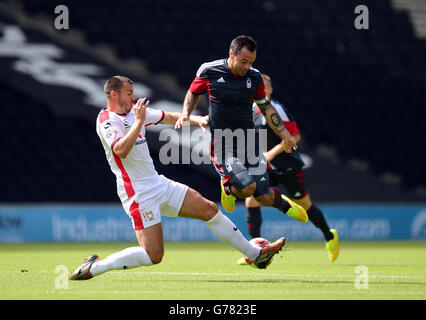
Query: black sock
[254,220]
[279,202]
[317,218]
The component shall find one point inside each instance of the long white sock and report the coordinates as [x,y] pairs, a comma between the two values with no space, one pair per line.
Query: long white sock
[125,259]
[226,231]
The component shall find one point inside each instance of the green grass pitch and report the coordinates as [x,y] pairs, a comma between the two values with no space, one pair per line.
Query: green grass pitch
[208,271]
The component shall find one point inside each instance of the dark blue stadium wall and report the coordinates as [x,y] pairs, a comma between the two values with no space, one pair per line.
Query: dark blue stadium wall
[361,92]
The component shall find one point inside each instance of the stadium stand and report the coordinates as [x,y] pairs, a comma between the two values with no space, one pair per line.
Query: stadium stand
[361,91]
[41,162]
[53,158]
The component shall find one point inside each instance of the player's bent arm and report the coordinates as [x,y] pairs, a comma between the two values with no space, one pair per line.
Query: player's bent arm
[190,103]
[170,117]
[275,151]
[279,148]
[173,117]
[123,146]
[275,122]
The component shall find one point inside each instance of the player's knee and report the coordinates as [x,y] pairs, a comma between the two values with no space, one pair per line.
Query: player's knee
[265,199]
[211,210]
[248,191]
[251,202]
[156,256]
[156,259]
[155,253]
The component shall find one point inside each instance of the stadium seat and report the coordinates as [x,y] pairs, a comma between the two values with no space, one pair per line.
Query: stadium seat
[332,75]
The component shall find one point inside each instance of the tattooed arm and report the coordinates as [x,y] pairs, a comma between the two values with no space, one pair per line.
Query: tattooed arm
[189,105]
[275,122]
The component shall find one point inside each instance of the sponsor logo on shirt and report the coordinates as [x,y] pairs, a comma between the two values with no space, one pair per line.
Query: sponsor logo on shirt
[143,140]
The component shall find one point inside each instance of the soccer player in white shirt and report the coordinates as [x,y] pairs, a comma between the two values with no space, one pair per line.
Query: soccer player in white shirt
[146,195]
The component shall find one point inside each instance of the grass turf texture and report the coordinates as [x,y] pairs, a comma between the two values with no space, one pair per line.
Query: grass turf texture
[208,271]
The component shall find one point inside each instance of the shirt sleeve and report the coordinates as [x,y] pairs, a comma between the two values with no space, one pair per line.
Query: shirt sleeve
[199,85]
[110,130]
[292,127]
[153,116]
[260,95]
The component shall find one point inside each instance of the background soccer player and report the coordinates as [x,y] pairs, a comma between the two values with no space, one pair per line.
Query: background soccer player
[233,85]
[287,171]
[146,195]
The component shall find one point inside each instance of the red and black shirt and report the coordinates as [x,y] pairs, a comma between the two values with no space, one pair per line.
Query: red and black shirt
[285,162]
[231,96]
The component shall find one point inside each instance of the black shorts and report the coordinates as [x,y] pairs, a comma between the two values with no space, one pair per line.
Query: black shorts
[241,174]
[294,182]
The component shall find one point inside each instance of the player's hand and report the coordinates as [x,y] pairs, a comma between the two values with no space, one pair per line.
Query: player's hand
[183,119]
[140,109]
[203,122]
[290,144]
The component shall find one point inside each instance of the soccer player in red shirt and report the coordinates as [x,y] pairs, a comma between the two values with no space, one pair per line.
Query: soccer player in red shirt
[233,85]
[287,170]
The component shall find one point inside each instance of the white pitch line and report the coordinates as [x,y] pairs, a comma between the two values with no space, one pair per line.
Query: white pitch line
[273,275]
[239,274]
[358,293]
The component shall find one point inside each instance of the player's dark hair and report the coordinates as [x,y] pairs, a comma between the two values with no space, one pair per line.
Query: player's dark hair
[241,42]
[115,83]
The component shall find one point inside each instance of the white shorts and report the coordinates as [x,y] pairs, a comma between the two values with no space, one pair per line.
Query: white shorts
[167,202]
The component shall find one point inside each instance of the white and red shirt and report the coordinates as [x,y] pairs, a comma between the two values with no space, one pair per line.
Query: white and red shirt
[136,173]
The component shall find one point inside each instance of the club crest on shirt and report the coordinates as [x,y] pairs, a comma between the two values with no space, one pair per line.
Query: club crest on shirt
[111,133]
[248,83]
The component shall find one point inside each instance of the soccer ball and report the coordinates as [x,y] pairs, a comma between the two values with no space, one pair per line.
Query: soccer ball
[257,242]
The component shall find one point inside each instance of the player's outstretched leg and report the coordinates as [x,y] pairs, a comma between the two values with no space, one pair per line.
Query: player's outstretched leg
[261,259]
[83,271]
[295,211]
[267,253]
[197,207]
[126,259]
[253,217]
[254,221]
[318,220]
[332,246]
[148,253]
[284,204]
[227,199]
